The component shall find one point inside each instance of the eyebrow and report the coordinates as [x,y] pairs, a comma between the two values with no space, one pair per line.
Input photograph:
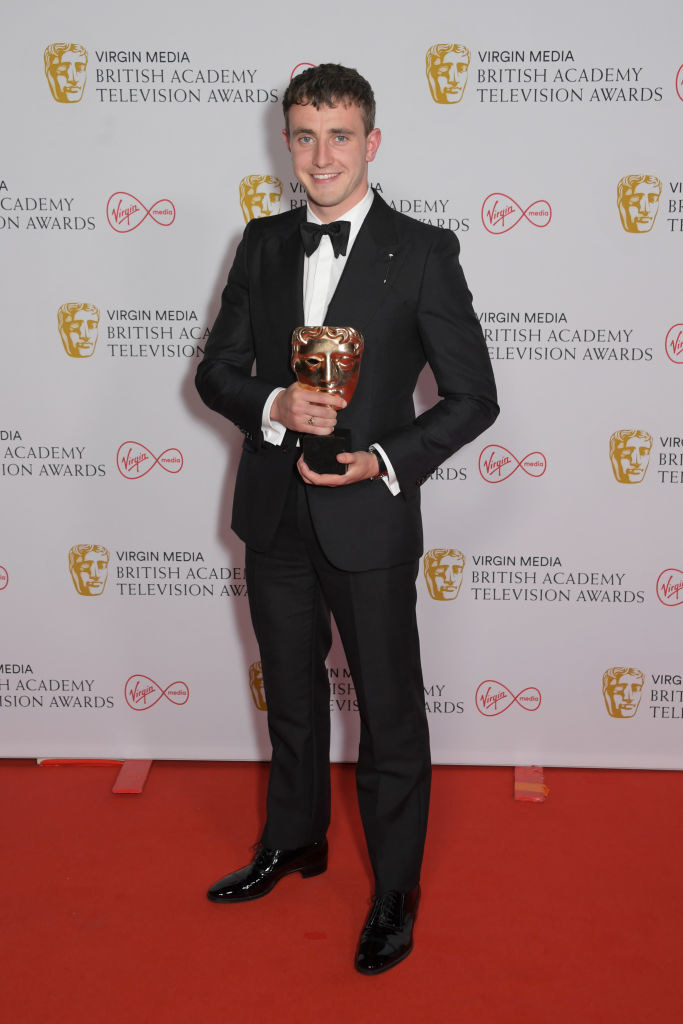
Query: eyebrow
[330,131]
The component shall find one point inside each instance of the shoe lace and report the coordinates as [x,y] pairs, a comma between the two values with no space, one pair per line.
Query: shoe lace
[387,909]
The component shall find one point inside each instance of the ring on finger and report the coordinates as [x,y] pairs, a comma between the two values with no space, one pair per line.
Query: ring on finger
[310,421]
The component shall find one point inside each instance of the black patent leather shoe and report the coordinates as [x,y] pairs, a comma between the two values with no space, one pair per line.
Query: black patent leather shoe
[266,870]
[387,937]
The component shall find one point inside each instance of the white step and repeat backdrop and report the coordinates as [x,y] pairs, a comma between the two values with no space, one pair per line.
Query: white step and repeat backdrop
[138,139]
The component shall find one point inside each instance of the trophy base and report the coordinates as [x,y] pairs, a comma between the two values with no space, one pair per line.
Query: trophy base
[320,453]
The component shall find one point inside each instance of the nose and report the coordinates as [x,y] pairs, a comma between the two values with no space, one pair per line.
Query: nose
[322,153]
[82,332]
[327,370]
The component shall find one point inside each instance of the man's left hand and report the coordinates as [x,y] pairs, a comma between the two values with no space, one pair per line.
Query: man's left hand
[361,466]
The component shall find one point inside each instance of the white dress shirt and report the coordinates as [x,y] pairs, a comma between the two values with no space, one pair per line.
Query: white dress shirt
[321,277]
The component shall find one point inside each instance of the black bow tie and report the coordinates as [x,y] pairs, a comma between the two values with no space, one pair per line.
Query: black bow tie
[338,231]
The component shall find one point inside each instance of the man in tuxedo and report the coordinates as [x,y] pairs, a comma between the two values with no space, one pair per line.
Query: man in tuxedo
[344,543]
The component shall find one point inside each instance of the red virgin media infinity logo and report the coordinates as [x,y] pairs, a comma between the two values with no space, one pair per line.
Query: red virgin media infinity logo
[679,82]
[142,693]
[500,213]
[670,587]
[298,68]
[134,460]
[125,212]
[497,463]
[493,698]
[674,343]
[4,577]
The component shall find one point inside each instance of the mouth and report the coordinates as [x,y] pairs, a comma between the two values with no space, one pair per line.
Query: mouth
[325,177]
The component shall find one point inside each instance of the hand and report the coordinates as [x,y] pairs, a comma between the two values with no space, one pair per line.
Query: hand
[360,466]
[306,412]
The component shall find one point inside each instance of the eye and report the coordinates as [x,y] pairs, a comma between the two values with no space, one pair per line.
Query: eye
[312,362]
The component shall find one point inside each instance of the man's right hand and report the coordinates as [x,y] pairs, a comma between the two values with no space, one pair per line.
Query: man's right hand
[306,412]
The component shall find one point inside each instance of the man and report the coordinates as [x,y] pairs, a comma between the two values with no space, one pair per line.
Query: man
[629,452]
[78,324]
[448,66]
[638,198]
[66,66]
[347,544]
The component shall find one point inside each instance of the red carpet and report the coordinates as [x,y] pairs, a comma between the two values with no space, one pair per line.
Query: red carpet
[567,911]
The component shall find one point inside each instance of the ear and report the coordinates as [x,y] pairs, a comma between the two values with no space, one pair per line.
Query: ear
[372,144]
[285,136]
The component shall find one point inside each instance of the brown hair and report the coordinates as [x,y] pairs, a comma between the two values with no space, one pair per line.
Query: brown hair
[328,85]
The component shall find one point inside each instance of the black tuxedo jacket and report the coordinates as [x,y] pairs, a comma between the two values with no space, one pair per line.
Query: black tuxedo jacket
[403,288]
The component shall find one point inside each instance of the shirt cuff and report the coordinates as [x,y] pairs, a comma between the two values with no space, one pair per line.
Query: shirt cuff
[273,431]
[391,480]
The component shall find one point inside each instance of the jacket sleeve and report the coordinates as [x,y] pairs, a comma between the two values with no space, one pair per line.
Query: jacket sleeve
[224,378]
[454,347]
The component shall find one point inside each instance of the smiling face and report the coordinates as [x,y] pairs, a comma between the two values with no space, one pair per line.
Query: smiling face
[327,359]
[330,155]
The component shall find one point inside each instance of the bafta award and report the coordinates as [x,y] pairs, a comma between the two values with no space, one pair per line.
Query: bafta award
[327,360]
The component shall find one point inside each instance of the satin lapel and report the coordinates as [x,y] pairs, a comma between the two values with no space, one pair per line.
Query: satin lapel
[283,275]
[363,284]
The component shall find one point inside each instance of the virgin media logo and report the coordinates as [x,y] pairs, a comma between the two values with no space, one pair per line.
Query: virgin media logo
[497,464]
[493,698]
[298,68]
[126,213]
[142,693]
[674,343]
[4,577]
[501,213]
[135,460]
[670,587]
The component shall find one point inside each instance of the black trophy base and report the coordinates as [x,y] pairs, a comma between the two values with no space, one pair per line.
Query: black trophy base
[320,453]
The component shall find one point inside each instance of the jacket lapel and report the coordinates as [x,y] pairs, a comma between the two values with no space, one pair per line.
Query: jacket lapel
[368,271]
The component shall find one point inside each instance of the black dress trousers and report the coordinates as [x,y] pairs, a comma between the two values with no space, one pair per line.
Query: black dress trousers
[292,589]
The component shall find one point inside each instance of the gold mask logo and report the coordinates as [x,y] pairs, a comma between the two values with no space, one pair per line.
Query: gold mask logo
[89,568]
[66,66]
[622,689]
[448,66]
[258,692]
[260,196]
[443,569]
[629,453]
[78,324]
[638,198]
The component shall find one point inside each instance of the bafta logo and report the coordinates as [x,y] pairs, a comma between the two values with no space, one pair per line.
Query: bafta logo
[78,324]
[622,689]
[448,65]
[260,196]
[65,69]
[443,569]
[258,693]
[629,453]
[89,568]
[638,198]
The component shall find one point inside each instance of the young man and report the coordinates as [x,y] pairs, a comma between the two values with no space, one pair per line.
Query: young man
[344,544]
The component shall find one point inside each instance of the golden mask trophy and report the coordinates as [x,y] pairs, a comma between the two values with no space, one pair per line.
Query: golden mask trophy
[327,359]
